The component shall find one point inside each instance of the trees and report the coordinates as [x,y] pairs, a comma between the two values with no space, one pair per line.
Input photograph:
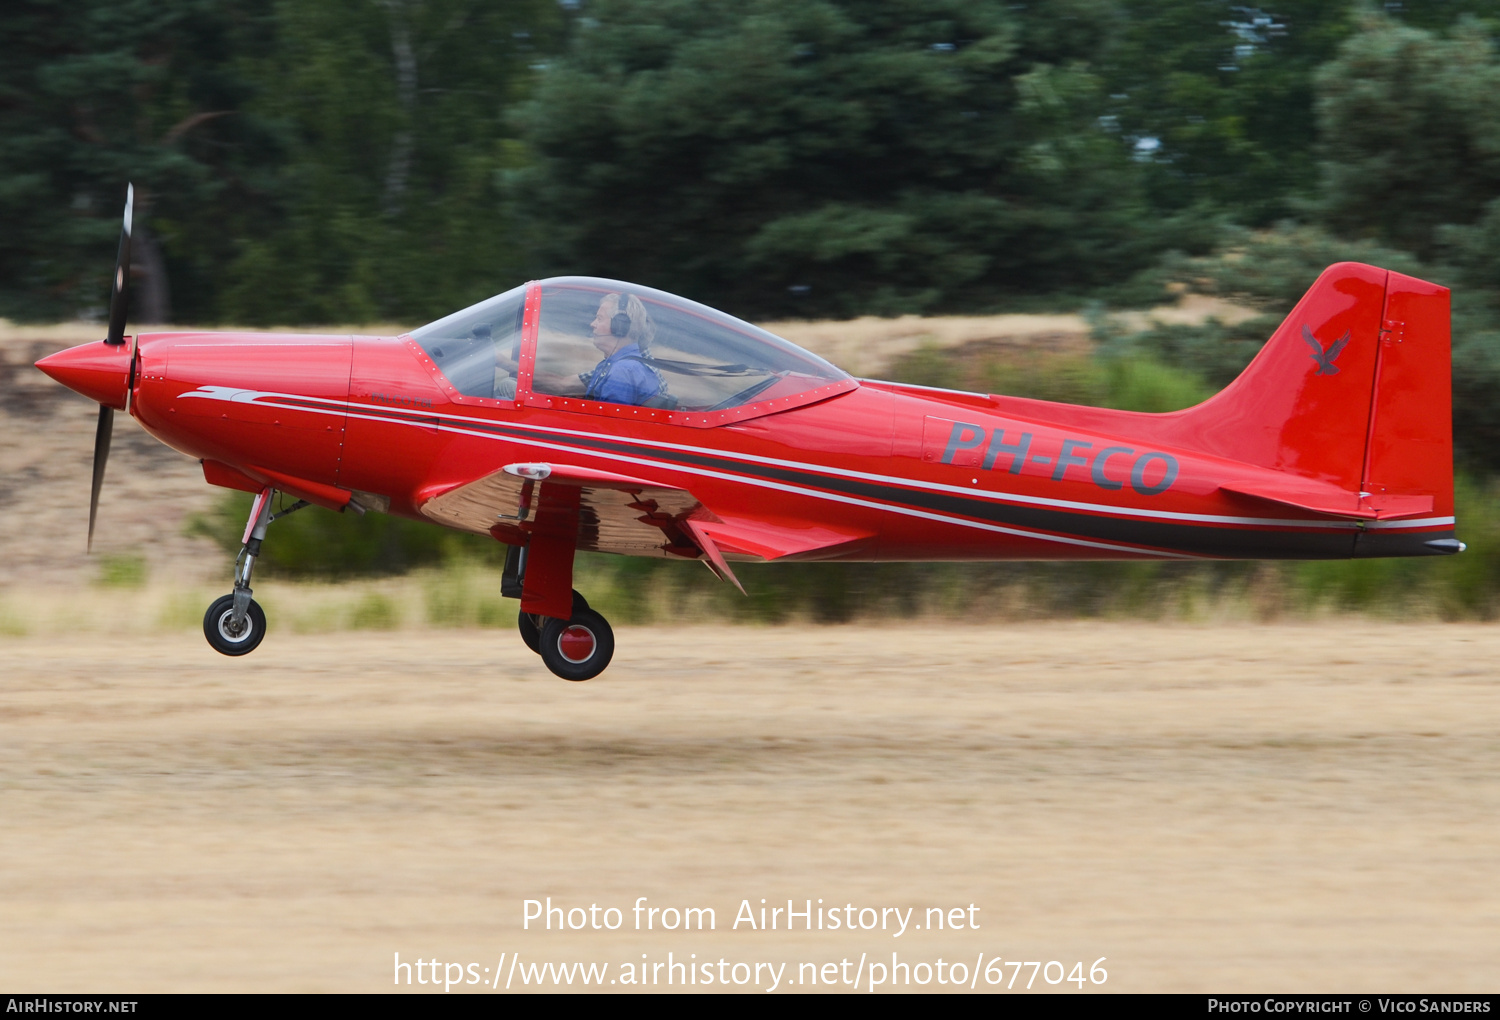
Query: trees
[1220,96]
[330,160]
[827,157]
[1410,127]
[96,93]
[391,119]
[327,160]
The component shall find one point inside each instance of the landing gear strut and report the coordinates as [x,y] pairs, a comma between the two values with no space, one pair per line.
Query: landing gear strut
[578,648]
[235,623]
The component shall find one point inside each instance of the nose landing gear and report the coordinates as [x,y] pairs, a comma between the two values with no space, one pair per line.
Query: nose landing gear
[235,623]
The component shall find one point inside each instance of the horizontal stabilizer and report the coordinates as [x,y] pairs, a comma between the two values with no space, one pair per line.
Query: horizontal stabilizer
[1390,508]
[1333,502]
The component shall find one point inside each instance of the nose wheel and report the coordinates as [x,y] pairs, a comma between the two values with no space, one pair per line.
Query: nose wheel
[229,636]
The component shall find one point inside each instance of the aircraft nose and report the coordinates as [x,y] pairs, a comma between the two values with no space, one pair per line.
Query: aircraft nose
[99,371]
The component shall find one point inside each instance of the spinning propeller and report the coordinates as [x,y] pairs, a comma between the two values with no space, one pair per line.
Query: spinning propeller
[119,308]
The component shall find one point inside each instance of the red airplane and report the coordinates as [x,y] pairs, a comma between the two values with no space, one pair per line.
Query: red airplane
[578,413]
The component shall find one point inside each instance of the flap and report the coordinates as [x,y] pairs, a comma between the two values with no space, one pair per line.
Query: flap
[714,557]
[771,539]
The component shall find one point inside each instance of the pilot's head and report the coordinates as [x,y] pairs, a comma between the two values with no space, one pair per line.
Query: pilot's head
[621,320]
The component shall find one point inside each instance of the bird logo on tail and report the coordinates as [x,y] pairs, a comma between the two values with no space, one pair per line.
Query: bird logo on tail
[1326,359]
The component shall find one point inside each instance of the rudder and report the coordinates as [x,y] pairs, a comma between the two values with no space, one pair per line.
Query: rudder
[1409,450]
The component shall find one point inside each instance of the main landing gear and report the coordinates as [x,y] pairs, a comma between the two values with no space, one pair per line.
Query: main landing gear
[235,623]
[578,648]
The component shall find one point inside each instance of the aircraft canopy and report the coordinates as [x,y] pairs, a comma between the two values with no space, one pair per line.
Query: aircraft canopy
[614,344]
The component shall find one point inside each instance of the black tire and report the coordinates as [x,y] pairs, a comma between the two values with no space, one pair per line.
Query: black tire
[531,630]
[577,649]
[216,627]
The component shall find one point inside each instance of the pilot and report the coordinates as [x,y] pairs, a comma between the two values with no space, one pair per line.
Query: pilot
[622,332]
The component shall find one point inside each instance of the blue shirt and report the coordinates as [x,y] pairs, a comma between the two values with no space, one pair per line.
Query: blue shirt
[623,378]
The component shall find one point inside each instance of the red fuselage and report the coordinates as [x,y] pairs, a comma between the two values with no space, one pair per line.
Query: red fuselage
[890,472]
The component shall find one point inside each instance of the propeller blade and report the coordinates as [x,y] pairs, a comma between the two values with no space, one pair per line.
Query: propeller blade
[102,436]
[119,297]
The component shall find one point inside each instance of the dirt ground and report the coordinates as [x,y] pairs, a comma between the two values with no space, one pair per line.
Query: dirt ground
[1215,808]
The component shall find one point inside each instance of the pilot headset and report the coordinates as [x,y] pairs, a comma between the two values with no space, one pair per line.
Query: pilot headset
[619,325]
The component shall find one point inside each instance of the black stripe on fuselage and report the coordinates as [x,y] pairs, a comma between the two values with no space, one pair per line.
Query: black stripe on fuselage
[1403,542]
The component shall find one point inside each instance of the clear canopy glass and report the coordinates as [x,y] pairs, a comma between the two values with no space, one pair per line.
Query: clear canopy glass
[479,347]
[622,343]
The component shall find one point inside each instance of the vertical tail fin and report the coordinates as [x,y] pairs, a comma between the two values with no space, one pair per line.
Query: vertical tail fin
[1354,390]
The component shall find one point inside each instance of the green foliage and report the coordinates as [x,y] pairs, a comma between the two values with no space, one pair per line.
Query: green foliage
[100,92]
[1130,381]
[314,542]
[829,157]
[1410,123]
[1066,378]
[331,160]
[459,597]
[1141,384]
[374,612]
[1265,271]
[392,121]
[1219,96]
[122,571]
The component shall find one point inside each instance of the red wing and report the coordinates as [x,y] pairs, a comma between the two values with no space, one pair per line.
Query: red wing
[635,517]
[616,513]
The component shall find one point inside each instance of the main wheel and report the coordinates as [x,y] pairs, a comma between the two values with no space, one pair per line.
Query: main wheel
[218,627]
[577,649]
[531,631]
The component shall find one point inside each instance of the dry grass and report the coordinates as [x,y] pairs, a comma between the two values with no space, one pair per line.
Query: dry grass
[1216,808]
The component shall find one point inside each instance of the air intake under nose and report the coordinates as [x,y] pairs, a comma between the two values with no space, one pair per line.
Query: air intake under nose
[98,370]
